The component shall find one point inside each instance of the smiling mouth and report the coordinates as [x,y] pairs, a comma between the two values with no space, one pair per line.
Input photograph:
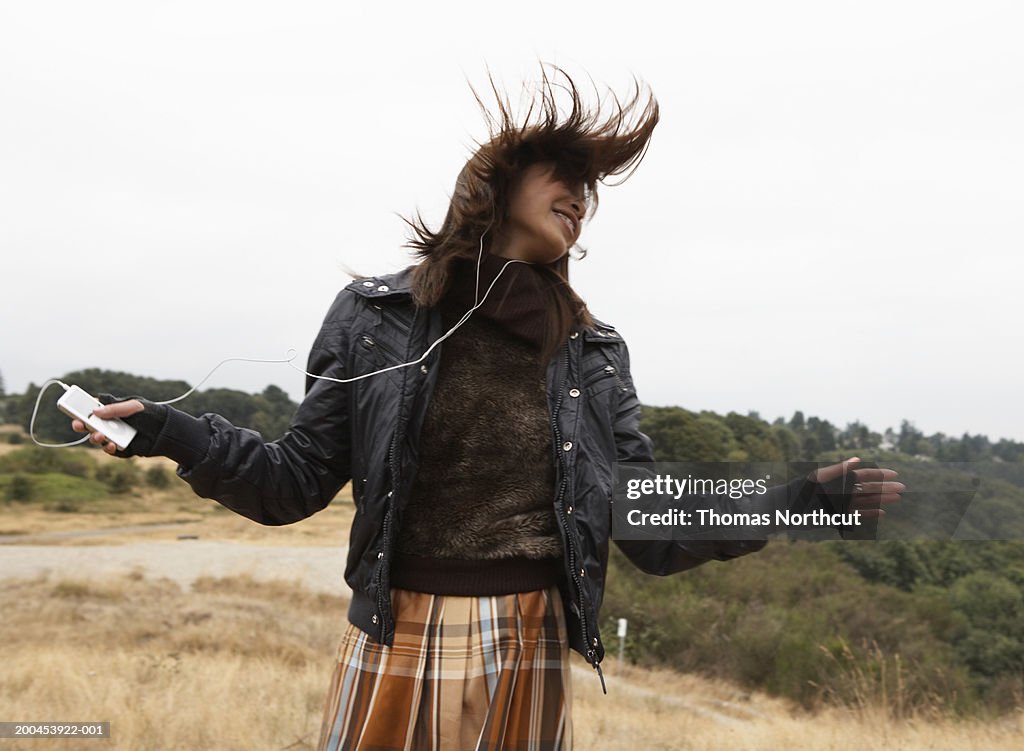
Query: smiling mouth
[567,221]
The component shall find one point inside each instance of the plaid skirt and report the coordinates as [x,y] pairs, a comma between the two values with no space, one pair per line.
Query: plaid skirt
[463,673]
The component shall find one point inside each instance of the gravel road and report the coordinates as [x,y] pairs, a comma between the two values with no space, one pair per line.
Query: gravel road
[319,569]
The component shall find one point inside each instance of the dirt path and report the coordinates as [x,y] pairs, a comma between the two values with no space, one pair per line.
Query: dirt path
[74,534]
[316,568]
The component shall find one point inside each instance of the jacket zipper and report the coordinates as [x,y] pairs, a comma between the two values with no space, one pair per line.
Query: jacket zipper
[383,598]
[383,602]
[591,652]
[618,379]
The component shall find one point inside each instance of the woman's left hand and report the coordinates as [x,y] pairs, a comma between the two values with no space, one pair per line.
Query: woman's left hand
[872,487]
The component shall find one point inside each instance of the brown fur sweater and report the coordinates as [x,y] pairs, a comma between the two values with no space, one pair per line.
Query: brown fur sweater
[485,484]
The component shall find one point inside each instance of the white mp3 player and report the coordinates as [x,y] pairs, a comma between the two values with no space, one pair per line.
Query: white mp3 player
[80,405]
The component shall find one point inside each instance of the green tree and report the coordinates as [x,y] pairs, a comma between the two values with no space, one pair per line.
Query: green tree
[824,433]
[796,422]
[680,435]
[1008,451]
[755,437]
[911,440]
[787,442]
[857,435]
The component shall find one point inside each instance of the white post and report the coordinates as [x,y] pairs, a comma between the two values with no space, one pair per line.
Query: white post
[622,638]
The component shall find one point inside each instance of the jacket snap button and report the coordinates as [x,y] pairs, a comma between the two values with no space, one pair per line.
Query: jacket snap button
[367,284]
[569,510]
[595,641]
[574,393]
[423,368]
[574,334]
[383,288]
[567,446]
[582,573]
[609,368]
[374,618]
[380,554]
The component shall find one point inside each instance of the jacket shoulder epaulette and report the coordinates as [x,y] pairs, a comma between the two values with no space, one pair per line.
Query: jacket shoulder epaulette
[398,284]
[601,332]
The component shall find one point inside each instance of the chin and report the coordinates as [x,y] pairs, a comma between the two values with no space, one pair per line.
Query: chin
[549,259]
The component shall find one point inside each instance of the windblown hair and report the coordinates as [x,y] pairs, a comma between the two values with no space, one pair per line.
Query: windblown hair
[586,145]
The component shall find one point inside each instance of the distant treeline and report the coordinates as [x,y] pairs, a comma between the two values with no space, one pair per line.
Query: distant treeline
[267,413]
[678,434]
[682,435]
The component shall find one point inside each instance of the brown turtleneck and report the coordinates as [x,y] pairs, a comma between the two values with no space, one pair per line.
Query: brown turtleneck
[480,519]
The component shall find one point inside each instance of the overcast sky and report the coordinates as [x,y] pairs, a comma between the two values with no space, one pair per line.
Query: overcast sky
[828,218]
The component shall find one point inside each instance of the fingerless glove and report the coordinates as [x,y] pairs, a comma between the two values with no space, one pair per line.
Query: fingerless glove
[162,430]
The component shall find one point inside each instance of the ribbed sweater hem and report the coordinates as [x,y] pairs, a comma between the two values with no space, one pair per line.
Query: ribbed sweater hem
[474,578]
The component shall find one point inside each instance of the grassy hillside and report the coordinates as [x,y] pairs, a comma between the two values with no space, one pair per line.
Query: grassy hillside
[819,623]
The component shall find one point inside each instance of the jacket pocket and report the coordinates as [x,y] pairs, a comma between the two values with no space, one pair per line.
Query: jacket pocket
[603,377]
[373,355]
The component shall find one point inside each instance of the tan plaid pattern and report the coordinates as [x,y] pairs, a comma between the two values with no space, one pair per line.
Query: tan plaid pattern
[480,673]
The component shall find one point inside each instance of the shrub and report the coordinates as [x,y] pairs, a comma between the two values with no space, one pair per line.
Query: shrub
[156,477]
[20,488]
[62,507]
[119,476]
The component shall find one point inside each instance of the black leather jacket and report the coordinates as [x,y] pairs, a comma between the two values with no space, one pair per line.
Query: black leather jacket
[367,432]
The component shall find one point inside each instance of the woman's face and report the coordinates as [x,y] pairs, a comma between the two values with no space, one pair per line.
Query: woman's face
[545,215]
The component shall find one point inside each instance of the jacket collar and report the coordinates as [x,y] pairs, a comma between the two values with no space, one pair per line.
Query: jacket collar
[398,286]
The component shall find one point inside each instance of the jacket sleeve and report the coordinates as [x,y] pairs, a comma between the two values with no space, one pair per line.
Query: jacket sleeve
[666,556]
[289,479]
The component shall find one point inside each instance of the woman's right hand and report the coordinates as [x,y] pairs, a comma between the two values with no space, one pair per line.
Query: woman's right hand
[109,411]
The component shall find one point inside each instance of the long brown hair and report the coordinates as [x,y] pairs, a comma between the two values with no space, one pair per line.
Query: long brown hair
[585,145]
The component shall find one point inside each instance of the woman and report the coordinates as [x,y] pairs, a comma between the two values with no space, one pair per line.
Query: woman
[469,585]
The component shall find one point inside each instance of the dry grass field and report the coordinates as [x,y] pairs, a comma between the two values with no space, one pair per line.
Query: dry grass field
[236,664]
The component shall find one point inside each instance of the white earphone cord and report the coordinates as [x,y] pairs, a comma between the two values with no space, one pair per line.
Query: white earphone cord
[478,301]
